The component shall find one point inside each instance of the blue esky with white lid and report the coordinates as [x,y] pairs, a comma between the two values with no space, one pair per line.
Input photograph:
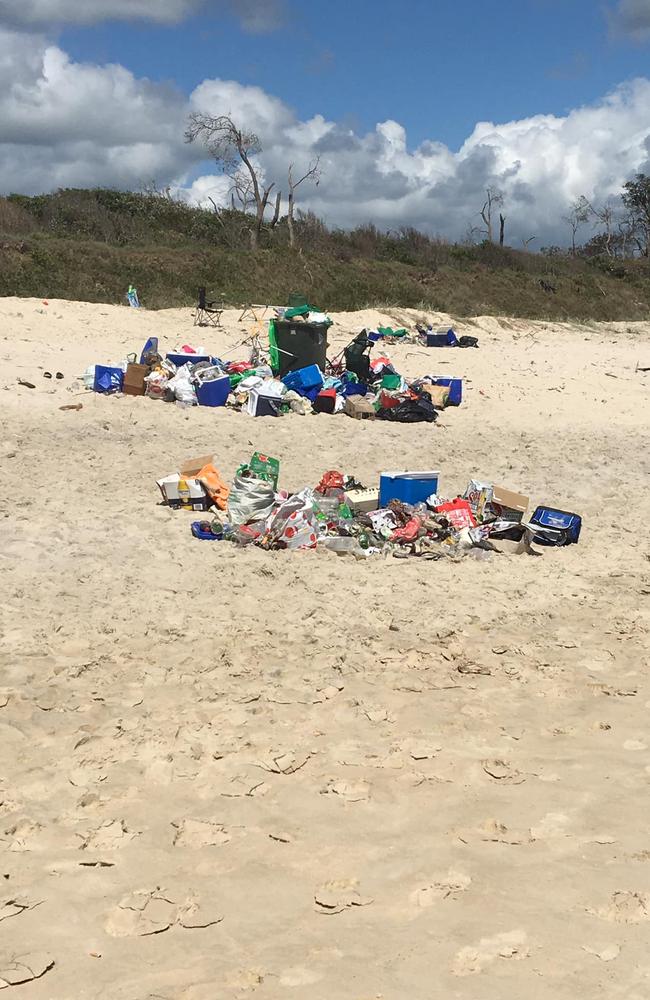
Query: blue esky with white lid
[415,107]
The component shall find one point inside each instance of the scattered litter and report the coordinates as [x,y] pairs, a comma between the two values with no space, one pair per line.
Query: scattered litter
[405,516]
[289,374]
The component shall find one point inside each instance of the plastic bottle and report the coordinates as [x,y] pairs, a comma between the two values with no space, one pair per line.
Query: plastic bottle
[184,493]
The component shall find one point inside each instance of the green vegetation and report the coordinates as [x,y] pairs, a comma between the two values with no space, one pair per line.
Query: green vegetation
[89,245]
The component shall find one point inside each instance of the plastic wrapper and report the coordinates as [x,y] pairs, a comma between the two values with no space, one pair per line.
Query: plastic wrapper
[294,525]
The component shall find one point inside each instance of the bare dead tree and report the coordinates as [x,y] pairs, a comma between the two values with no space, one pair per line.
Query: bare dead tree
[605,216]
[526,243]
[579,213]
[627,234]
[494,200]
[313,174]
[233,149]
[502,228]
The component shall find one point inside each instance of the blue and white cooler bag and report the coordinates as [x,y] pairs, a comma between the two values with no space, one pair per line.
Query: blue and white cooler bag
[557,527]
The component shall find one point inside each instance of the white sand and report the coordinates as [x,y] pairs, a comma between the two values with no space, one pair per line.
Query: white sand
[197,739]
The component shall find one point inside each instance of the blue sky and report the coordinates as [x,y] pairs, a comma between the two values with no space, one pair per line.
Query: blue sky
[437,67]
[415,108]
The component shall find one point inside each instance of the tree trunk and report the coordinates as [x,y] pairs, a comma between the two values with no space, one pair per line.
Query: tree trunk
[292,236]
[502,229]
[276,214]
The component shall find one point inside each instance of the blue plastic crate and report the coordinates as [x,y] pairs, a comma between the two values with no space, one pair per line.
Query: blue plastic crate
[409,487]
[214,392]
[304,380]
[108,379]
[455,386]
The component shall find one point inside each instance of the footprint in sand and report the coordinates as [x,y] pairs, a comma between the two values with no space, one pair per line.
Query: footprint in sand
[299,976]
[153,911]
[350,791]
[474,959]
[625,908]
[110,836]
[338,895]
[199,833]
[449,886]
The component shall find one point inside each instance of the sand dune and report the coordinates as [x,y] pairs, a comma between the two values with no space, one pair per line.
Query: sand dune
[229,773]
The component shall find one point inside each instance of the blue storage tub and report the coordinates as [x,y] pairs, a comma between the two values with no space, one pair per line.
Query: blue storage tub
[108,379]
[455,386]
[213,393]
[304,380]
[409,487]
[182,359]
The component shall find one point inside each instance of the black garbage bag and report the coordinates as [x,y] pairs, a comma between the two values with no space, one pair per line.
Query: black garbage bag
[410,411]
[468,342]
[356,359]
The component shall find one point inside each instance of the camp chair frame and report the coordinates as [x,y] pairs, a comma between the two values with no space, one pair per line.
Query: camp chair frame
[207,313]
[252,311]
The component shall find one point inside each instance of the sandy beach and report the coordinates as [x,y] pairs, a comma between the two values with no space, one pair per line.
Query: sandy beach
[230,773]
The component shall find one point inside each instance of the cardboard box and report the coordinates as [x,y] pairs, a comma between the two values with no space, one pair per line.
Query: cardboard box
[439,394]
[184,493]
[134,383]
[193,466]
[362,501]
[265,467]
[359,408]
[508,505]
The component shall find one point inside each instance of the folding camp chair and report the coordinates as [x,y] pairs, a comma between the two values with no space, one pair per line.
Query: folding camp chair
[207,313]
[251,311]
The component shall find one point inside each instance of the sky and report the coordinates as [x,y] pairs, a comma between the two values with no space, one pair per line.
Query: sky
[414,107]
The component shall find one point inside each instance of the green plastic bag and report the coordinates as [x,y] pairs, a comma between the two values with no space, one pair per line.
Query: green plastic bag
[274,354]
[298,311]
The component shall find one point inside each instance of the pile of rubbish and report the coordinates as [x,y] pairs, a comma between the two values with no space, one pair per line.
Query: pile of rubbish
[292,375]
[405,516]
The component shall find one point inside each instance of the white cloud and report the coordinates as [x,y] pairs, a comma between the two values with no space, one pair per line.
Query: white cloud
[632,17]
[254,15]
[64,123]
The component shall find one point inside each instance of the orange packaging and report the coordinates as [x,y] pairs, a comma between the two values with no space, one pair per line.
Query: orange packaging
[214,486]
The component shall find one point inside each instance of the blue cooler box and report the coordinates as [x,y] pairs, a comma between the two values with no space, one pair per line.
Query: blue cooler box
[455,386]
[182,359]
[213,393]
[409,487]
[448,339]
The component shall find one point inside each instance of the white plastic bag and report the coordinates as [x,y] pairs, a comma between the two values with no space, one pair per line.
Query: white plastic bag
[250,499]
[181,385]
